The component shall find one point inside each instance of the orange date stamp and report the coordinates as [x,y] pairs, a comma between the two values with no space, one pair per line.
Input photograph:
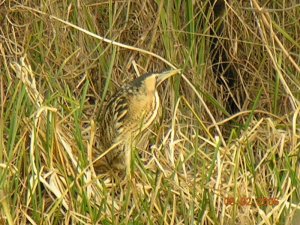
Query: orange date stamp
[247,201]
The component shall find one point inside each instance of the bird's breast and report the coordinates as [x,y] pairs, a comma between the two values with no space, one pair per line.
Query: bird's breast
[142,111]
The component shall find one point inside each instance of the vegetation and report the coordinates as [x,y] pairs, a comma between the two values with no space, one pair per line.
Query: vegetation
[206,163]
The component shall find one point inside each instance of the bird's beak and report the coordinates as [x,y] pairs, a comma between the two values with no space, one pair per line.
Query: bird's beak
[164,75]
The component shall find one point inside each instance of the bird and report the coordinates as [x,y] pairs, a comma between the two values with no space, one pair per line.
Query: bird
[126,114]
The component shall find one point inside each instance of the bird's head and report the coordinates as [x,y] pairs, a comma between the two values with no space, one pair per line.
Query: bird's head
[151,81]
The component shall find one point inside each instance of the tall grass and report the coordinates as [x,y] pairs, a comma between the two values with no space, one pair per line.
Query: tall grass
[202,165]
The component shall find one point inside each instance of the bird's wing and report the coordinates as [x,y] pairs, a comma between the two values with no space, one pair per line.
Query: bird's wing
[120,109]
[114,117]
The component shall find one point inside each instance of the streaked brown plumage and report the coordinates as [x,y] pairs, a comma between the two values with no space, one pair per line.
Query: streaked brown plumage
[128,113]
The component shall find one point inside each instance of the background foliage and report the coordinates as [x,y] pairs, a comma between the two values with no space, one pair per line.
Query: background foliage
[228,130]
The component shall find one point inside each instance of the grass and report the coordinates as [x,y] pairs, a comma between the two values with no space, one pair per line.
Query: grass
[205,165]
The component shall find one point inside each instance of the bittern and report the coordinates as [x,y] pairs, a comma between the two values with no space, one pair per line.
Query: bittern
[127,114]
